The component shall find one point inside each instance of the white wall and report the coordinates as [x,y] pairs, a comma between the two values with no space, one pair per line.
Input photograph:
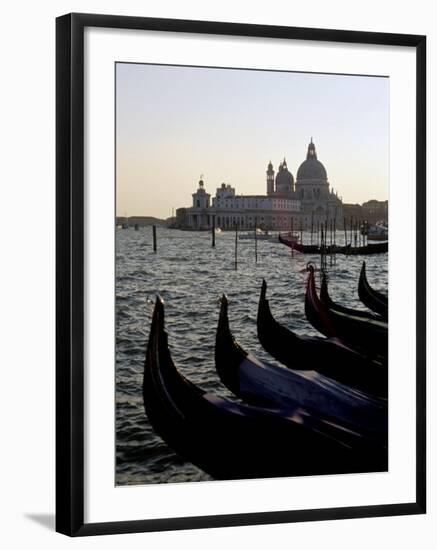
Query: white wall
[27,287]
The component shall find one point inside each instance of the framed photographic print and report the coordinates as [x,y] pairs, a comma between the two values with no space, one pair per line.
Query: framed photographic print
[240,274]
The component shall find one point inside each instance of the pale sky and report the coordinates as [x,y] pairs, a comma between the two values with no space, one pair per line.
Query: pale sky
[175,123]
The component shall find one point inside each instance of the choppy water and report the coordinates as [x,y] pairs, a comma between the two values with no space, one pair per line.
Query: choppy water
[191,276]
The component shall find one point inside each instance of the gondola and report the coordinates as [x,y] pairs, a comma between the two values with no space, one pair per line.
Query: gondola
[368,336]
[371,298]
[328,356]
[236,441]
[262,383]
[329,303]
[299,247]
[368,249]
[348,250]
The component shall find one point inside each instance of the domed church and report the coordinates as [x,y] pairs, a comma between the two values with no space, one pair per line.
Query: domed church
[311,188]
[306,201]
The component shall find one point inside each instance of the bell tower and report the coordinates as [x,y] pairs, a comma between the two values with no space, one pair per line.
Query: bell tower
[270,179]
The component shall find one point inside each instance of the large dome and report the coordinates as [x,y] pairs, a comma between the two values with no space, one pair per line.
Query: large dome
[311,168]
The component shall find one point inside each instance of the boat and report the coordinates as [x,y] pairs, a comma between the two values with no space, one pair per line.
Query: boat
[329,303]
[295,245]
[265,384]
[348,250]
[368,249]
[231,440]
[260,236]
[377,237]
[377,232]
[367,336]
[374,300]
[327,356]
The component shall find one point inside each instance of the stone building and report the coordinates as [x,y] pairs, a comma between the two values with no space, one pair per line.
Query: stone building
[306,201]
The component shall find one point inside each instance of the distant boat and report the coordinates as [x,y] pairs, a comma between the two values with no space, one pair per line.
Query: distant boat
[260,235]
[377,232]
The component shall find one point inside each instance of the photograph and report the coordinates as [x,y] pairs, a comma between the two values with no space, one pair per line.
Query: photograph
[251,273]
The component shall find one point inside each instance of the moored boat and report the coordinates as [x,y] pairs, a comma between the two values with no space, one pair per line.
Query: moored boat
[368,249]
[374,300]
[377,232]
[327,356]
[368,336]
[260,235]
[236,441]
[326,299]
[348,250]
[262,383]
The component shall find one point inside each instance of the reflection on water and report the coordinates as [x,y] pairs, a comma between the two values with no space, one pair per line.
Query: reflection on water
[191,276]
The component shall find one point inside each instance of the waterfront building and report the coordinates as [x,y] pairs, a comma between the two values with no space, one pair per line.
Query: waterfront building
[308,200]
[269,212]
[372,211]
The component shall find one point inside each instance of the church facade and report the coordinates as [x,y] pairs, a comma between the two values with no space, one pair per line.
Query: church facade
[307,200]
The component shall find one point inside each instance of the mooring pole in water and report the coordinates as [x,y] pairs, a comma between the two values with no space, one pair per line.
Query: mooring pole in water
[154,238]
[256,243]
[312,226]
[301,232]
[355,233]
[292,236]
[345,232]
[321,246]
[213,231]
[330,241]
[335,241]
[236,245]
[325,237]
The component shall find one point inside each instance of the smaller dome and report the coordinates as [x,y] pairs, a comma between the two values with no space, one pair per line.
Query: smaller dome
[284,177]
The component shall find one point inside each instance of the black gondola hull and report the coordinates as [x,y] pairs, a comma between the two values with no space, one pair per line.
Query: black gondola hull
[233,441]
[328,356]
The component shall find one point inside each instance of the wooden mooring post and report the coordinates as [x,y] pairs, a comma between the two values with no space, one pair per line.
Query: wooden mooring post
[330,241]
[321,247]
[256,243]
[154,238]
[213,232]
[236,245]
[335,241]
[312,226]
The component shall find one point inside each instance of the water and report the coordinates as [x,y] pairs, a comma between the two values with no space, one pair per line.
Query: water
[191,276]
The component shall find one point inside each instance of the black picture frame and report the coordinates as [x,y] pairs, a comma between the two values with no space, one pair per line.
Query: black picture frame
[70,273]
